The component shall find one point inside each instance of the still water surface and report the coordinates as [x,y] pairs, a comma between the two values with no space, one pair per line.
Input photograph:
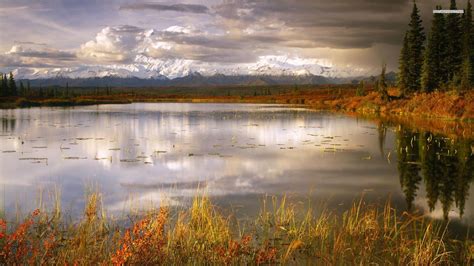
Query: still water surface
[141,154]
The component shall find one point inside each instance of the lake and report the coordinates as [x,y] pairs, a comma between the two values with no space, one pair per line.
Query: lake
[146,153]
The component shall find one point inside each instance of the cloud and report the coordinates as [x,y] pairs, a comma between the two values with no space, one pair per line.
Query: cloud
[19,50]
[46,22]
[356,33]
[114,44]
[11,61]
[186,8]
[29,43]
[9,9]
[36,56]
[122,44]
[336,24]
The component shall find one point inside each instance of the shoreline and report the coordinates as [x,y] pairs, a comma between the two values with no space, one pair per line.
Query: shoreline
[446,113]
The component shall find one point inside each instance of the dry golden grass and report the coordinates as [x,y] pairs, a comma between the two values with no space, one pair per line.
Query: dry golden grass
[280,234]
[447,105]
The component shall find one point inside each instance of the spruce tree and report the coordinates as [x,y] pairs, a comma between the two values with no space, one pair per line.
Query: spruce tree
[28,88]
[6,90]
[416,39]
[466,74]
[12,85]
[434,72]
[360,89]
[466,68]
[453,59]
[467,49]
[471,38]
[403,67]
[382,84]
[428,83]
[22,89]
[2,91]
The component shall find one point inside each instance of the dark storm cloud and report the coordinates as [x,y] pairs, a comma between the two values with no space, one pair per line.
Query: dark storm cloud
[336,24]
[206,48]
[30,54]
[187,8]
[200,40]
[9,60]
[213,55]
[220,48]
[57,55]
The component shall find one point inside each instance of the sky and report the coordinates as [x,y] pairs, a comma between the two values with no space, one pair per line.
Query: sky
[209,34]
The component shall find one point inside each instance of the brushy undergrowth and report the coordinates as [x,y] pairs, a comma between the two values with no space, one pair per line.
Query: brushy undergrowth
[446,105]
[200,234]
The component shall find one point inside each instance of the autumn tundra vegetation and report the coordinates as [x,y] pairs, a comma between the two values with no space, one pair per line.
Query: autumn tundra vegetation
[203,234]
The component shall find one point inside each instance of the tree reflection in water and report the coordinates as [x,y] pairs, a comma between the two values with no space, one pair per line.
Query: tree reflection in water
[445,165]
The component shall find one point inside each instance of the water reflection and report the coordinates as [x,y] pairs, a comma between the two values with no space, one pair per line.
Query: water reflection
[8,124]
[236,152]
[444,165]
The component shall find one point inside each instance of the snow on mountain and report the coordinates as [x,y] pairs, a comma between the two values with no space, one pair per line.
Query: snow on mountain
[144,67]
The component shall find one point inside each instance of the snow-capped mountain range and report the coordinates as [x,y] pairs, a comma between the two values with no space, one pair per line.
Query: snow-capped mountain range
[144,67]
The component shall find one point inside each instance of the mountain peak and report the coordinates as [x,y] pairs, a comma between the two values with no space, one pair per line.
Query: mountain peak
[145,67]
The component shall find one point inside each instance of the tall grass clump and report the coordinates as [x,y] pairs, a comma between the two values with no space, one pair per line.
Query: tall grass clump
[283,233]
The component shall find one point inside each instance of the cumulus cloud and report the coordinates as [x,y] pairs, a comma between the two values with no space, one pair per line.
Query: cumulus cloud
[187,8]
[356,33]
[121,44]
[113,44]
[46,53]
[7,60]
[34,55]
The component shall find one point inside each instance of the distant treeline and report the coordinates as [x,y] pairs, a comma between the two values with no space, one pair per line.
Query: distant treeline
[8,86]
[11,88]
[446,60]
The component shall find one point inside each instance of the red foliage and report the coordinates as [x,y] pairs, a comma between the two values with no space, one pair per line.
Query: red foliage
[266,255]
[144,243]
[17,245]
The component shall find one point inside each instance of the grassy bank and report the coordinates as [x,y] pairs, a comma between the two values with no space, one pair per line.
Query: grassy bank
[229,94]
[51,102]
[444,105]
[446,113]
[201,234]
[441,112]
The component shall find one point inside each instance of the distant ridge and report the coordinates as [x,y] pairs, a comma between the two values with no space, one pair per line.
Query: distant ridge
[194,79]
